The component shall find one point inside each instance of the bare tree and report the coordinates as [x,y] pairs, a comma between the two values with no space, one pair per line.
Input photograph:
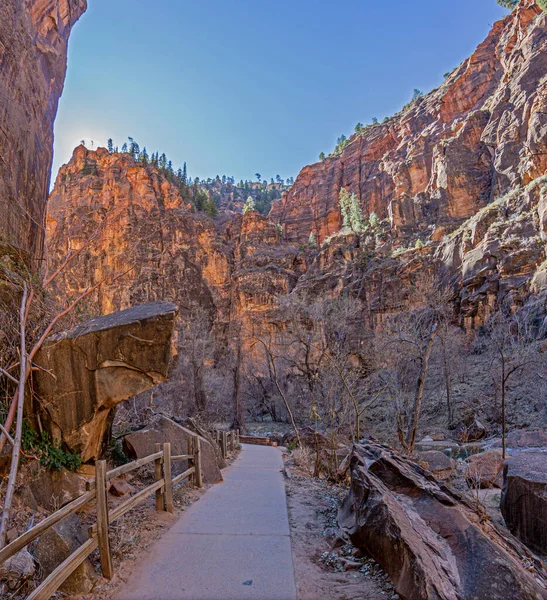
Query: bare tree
[512,350]
[412,334]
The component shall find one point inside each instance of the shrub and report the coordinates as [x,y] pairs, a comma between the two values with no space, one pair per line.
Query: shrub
[542,4]
[311,241]
[249,205]
[419,244]
[51,454]
[373,220]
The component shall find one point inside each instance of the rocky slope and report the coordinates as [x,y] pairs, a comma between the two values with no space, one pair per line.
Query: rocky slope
[33,56]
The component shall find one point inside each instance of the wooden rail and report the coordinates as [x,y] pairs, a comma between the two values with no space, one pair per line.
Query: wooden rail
[257,441]
[99,532]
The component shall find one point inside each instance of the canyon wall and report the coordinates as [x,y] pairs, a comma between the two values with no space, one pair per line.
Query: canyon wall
[447,154]
[461,171]
[33,58]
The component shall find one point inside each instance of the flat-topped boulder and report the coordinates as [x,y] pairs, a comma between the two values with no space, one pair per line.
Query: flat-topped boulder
[161,430]
[524,498]
[87,371]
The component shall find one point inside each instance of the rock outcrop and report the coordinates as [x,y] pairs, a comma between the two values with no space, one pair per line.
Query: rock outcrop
[524,498]
[431,543]
[162,430]
[33,56]
[86,372]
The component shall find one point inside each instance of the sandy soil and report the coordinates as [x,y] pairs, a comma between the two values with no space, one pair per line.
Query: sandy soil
[326,566]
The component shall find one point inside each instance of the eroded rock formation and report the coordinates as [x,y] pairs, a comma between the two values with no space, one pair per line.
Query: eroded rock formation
[430,542]
[89,370]
[33,56]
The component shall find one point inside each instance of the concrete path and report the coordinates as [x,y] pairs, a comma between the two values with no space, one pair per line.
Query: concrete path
[233,544]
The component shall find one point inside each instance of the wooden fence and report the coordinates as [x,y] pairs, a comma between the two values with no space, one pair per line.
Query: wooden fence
[227,440]
[97,490]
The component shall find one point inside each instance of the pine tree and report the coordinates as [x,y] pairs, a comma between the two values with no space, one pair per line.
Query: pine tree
[373,220]
[249,205]
[184,174]
[321,157]
[511,4]
[144,157]
[352,215]
[124,148]
[110,145]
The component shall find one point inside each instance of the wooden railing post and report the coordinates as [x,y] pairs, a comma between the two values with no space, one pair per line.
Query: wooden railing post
[197,462]
[224,445]
[158,476]
[232,440]
[238,438]
[168,477]
[192,461]
[102,520]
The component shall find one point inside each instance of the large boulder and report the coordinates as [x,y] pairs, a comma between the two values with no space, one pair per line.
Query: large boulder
[484,470]
[524,498]
[51,490]
[525,438]
[470,430]
[441,465]
[162,430]
[88,371]
[57,544]
[429,540]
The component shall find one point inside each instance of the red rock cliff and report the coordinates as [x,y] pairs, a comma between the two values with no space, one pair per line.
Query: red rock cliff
[33,57]
[446,155]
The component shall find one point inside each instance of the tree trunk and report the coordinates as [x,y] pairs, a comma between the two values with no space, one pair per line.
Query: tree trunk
[12,480]
[415,419]
[239,414]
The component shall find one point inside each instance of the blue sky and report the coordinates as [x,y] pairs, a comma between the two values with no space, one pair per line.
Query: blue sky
[239,86]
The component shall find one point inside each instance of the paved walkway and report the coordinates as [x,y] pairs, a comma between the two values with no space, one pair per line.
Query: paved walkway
[233,544]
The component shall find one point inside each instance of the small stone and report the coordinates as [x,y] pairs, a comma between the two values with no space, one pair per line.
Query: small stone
[248,582]
[119,487]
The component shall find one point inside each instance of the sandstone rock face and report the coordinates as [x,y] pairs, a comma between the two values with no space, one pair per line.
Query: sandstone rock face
[432,545]
[445,155]
[232,270]
[524,498]
[91,369]
[163,430]
[33,56]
